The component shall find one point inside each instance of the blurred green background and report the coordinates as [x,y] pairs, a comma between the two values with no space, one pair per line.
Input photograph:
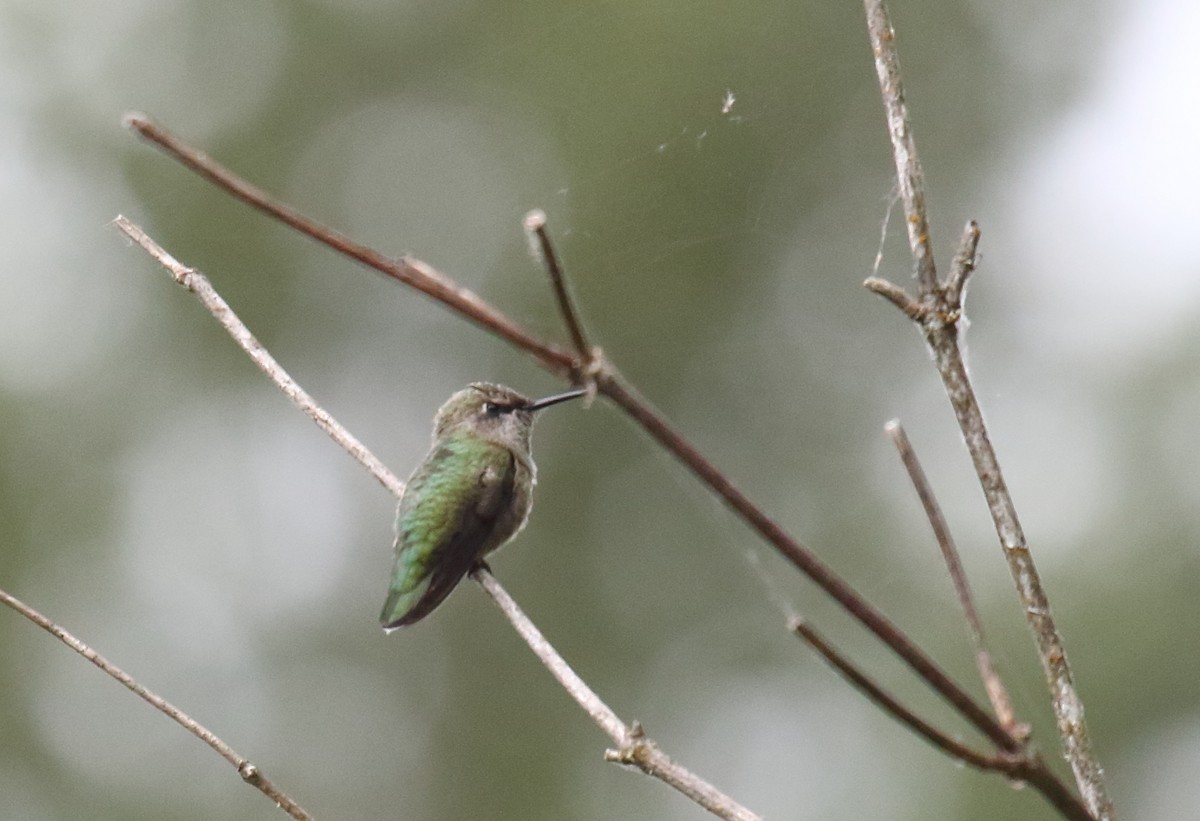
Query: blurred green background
[163,501]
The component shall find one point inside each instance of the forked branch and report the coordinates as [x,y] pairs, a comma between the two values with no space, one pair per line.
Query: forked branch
[937,310]
[251,774]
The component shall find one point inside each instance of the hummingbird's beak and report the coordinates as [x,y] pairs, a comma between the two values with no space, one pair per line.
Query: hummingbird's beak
[554,400]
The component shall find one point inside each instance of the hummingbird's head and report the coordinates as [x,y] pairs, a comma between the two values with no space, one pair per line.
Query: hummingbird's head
[493,412]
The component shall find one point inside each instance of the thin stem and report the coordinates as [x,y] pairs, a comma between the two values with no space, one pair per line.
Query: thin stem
[888,703]
[535,226]
[992,682]
[963,264]
[909,176]
[411,272]
[1022,767]
[939,324]
[633,747]
[250,773]
[896,295]
[198,284]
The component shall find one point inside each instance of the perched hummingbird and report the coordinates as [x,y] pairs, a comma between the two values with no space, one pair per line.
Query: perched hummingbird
[470,495]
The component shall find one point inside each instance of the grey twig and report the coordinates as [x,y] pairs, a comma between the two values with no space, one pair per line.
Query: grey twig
[910,178]
[251,774]
[535,227]
[198,284]
[633,748]
[942,308]
[964,264]
[997,693]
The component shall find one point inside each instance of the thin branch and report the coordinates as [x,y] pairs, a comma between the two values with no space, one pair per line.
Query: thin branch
[992,682]
[535,227]
[939,324]
[809,564]
[420,275]
[963,265]
[411,272]
[250,773]
[198,284]
[909,176]
[633,747]
[889,704]
[1024,767]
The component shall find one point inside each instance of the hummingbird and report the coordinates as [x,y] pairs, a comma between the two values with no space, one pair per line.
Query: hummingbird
[471,494]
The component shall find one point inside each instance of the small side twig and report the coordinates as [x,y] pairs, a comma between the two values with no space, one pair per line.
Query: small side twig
[250,773]
[963,264]
[535,227]
[634,748]
[992,683]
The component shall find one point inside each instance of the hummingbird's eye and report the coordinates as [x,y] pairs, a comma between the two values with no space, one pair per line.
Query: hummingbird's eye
[491,408]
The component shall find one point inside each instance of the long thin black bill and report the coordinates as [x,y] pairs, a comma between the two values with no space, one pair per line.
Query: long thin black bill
[554,400]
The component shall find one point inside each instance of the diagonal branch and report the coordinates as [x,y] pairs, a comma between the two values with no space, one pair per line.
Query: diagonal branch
[412,272]
[198,284]
[997,693]
[250,773]
[1019,767]
[938,321]
[633,747]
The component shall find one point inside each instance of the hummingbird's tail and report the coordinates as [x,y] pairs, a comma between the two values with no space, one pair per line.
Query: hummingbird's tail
[409,604]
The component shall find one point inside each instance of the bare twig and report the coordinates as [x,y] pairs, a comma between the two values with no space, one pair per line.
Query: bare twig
[535,226]
[634,748]
[910,178]
[896,295]
[250,773]
[199,285]
[997,693]
[888,702]
[412,272]
[609,383]
[963,264]
[1021,767]
[942,308]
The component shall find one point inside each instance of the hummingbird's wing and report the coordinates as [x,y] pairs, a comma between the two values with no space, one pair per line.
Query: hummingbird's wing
[447,520]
